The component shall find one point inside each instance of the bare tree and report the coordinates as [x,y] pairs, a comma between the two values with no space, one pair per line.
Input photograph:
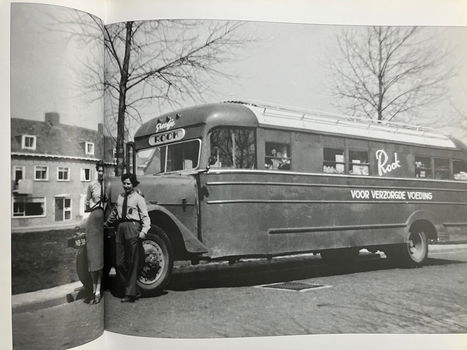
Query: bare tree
[157,62]
[384,72]
[160,62]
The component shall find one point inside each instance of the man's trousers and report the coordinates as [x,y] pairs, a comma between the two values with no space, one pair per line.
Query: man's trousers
[128,256]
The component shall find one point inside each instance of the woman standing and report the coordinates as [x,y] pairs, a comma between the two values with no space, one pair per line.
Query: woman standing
[95,201]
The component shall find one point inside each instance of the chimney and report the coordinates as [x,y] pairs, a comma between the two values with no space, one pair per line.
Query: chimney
[100,128]
[52,118]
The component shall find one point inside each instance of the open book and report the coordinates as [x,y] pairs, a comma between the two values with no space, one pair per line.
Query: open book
[242,218]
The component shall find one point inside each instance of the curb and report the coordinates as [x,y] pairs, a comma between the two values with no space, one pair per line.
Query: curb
[27,302]
[68,293]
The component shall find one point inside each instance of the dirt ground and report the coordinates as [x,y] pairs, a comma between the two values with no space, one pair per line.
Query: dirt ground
[42,260]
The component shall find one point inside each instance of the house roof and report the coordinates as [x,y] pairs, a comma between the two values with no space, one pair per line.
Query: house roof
[56,139]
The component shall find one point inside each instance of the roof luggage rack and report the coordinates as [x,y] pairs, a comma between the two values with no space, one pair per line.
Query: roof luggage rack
[279,111]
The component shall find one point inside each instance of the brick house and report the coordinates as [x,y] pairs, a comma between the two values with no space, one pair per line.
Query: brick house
[52,165]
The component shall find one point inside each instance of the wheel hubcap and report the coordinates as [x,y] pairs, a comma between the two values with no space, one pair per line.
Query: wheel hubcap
[154,263]
[416,246]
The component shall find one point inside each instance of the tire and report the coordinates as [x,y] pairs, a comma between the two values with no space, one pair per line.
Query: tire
[410,254]
[158,261]
[342,255]
[82,269]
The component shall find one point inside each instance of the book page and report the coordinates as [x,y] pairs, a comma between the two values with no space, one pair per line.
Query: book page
[277,62]
[282,65]
[57,137]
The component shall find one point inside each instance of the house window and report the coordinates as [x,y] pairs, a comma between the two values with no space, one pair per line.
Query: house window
[89,148]
[359,164]
[333,161]
[459,168]
[63,174]
[442,170]
[423,167]
[28,142]
[28,206]
[62,208]
[85,174]
[18,173]
[41,173]
[278,156]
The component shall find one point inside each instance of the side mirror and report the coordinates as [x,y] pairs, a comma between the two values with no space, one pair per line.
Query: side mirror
[212,160]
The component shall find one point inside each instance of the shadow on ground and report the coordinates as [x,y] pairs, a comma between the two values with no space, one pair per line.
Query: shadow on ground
[252,273]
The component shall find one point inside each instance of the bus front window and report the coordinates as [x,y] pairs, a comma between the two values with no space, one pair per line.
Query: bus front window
[167,158]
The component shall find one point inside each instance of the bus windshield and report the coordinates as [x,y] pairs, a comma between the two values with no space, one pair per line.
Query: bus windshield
[168,158]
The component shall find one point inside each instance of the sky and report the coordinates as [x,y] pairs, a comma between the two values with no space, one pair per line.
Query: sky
[286,64]
[47,67]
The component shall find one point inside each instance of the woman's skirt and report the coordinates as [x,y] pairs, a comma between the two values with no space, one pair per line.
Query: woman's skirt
[95,240]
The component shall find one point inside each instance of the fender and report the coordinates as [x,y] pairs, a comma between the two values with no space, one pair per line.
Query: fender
[422,215]
[192,244]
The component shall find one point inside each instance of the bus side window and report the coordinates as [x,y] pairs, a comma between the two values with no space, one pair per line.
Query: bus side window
[333,161]
[442,170]
[459,168]
[358,162]
[278,156]
[423,167]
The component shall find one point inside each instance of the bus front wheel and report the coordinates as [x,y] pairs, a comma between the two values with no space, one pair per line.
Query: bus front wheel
[157,263]
[413,253]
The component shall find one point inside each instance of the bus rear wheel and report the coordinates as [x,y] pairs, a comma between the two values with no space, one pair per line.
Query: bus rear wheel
[413,253]
[157,263]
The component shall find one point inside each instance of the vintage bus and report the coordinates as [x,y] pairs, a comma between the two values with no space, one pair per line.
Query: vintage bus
[236,179]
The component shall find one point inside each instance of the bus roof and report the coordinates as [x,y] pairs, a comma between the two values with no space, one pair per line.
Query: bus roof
[254,114]
[215,114]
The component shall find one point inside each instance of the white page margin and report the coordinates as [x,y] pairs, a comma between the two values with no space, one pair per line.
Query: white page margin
[97,8]
[355,12]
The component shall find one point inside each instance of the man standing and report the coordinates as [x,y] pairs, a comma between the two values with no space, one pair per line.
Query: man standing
[133,221]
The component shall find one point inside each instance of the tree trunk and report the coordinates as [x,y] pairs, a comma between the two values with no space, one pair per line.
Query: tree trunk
[122,101]
[380,76]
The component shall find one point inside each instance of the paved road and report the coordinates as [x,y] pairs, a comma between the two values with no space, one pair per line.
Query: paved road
[218,300]
[371,297]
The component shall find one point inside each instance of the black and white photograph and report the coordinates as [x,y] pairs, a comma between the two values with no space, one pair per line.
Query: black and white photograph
[195,178]
[59,150]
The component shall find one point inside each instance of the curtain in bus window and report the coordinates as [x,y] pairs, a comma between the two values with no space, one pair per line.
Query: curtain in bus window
[234,147]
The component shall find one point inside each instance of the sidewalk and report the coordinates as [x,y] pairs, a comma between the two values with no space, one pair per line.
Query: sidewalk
[67,293]
[45,298]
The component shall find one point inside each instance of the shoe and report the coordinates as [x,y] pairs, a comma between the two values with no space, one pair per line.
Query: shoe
[128,299]
[89,299]
[97,298]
